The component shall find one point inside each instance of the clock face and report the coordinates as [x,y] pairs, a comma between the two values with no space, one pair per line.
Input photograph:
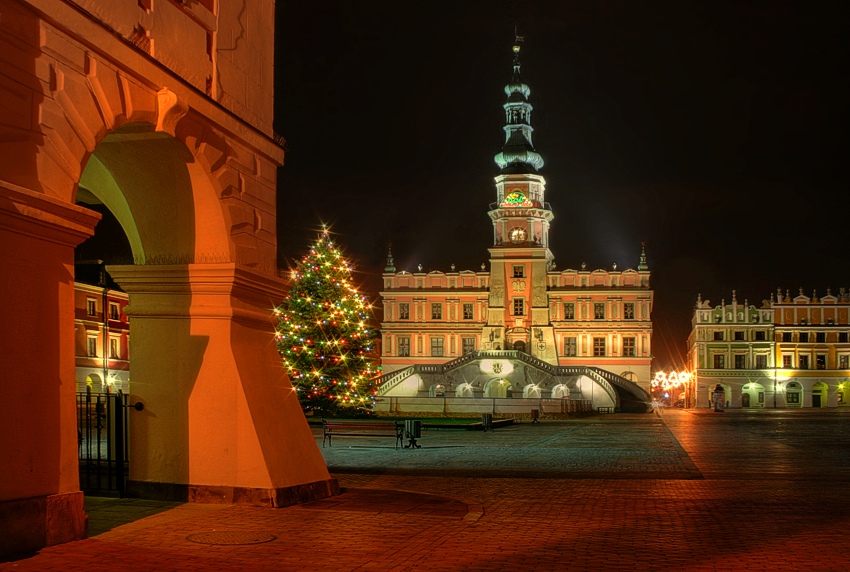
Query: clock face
[517,235]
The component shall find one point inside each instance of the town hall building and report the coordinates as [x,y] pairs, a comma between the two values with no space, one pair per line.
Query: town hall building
[524,330]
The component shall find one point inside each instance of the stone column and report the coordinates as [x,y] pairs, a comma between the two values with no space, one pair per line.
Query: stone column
[40,499]
[221,421]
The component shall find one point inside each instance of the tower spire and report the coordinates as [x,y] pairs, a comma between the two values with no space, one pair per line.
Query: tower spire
[518,155]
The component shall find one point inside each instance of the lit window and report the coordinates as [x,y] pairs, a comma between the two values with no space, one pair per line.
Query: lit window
[788,361]
[91,306]
[113,348]
[570,347]
[467,311]
[793,397]
[519,271]
[629,347]
[804,362]
[569,311]
[91,346]
[404,311]
[598,347]
[468,345]
[437,347]
[404,347]
[598,311]
[844,361]
[820,361]
[436,311]
[519,306]
[629,311]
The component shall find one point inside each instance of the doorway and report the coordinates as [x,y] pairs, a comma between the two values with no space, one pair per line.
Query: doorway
[745,400]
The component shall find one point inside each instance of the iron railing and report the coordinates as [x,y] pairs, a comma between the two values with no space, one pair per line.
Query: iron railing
[102,442]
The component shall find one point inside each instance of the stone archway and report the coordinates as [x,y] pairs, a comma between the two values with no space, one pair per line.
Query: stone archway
[497,388]
[193,182]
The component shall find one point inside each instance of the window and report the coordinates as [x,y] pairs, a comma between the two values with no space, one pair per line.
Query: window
[629,347]
[718,336]
[761,361]
[598,347]
[437,347]
[719,361]
[804,362]
[436,311]
[844,361]
[788,361]
[114,313]
[761,336]
[467,311]
[598,311]
[404,311]
[793,397]
[519,306]
[569,311]
[739,336]
[842,337]
[804,337]
[91,306]
[404,347]
[820,337]
[113,348]
[91,346]
[629,311]
[468,345]
[761,397]
[570,347]
[820,361]
[740,361]
[519,271]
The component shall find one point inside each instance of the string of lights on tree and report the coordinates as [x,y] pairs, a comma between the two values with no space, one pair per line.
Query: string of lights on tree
[324,334]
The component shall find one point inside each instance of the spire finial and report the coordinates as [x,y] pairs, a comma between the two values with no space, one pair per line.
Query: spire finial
[390,264]
[518,155]
[642,265]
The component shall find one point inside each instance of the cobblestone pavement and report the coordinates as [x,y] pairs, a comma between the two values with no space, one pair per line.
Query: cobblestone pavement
[676,490]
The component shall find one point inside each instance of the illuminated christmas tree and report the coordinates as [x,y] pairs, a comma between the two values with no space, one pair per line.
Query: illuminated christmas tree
[324,333]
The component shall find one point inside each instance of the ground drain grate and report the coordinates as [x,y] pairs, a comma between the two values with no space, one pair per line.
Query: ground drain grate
[225,537]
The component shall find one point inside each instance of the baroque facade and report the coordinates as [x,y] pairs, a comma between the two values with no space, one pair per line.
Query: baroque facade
[523,315]
[101,338]
[788,352]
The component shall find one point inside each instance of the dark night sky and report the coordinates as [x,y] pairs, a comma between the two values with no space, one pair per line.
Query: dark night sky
[712,131]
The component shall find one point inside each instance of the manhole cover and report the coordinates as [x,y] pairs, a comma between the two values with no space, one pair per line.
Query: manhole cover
[231,537]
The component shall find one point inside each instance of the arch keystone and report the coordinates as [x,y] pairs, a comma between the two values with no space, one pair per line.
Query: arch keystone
[170,109]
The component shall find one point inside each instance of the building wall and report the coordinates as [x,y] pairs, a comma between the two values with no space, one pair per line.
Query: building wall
[94,320]
[786,353]
[581,288]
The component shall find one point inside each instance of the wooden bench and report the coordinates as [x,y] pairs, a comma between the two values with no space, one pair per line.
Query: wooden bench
[331,429]
[605,410]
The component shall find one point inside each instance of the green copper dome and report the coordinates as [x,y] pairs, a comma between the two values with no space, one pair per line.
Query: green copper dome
[518,155]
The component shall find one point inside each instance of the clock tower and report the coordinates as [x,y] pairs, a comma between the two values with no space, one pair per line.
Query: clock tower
[518,315]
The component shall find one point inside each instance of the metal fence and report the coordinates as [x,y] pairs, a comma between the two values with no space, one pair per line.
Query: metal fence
[102,441]
[471,406]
